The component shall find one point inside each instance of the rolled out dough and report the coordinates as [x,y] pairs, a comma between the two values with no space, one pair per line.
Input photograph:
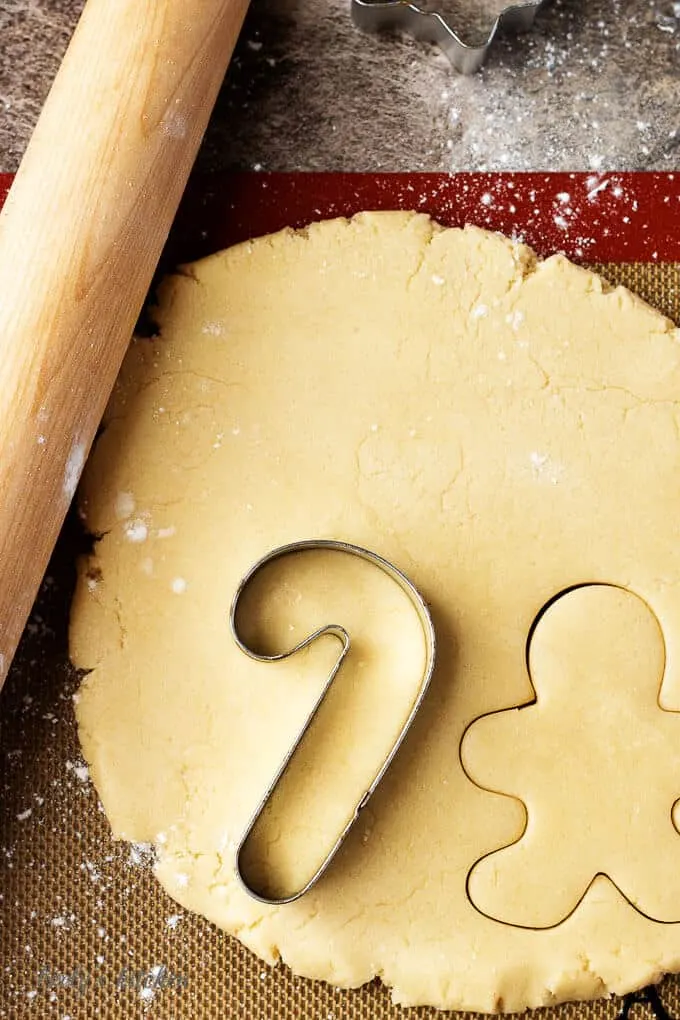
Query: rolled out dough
[501,429]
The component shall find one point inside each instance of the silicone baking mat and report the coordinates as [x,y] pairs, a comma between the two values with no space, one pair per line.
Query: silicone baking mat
[84,930]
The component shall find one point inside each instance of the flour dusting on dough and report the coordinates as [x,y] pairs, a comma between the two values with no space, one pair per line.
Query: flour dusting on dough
[136,531]
[124,505]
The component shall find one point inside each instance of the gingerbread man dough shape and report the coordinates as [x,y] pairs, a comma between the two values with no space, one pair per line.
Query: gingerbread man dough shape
[595,760]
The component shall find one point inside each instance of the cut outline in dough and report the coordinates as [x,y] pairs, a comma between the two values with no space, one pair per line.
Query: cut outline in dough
[527,704]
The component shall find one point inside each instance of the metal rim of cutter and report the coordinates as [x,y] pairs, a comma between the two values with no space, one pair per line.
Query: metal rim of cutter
[425,618]
[429,26]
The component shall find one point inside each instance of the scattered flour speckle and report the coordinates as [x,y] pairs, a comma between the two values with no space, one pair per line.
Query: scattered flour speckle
[79,769]
[213,328]
[124,505]
[136,531]
[141,854]
[544,468]
[515,319]
[73,469]
[175,124]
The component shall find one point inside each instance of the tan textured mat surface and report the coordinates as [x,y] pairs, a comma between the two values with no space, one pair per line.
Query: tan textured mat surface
[84,929]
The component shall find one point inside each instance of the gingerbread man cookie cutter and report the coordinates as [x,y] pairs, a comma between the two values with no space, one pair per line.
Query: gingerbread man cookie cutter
[432,27]
[336,630]
[594,760]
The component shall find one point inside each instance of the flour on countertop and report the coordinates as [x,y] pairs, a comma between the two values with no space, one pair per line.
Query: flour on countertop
[586,89]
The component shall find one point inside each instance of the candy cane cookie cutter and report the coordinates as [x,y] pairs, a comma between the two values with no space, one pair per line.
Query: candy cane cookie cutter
[336,630]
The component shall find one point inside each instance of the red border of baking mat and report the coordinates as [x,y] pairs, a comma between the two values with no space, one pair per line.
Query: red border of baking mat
[592,217]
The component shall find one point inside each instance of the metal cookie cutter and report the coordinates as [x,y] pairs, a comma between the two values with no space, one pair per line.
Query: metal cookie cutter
[401,15]
[341,634]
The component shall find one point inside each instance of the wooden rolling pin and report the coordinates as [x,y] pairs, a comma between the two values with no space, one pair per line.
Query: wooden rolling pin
[80,236]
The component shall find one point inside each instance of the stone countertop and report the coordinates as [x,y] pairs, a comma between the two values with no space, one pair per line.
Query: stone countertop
[593,86]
